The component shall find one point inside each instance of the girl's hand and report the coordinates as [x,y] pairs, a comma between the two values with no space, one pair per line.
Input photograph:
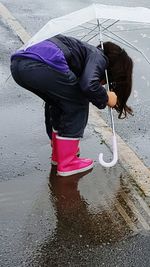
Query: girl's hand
[112,99]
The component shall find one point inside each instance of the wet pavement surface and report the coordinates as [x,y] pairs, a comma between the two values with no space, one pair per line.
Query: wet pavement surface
[97,218]
[92,219]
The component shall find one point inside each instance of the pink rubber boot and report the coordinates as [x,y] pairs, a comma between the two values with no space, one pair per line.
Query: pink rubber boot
[68,162]
[54,148]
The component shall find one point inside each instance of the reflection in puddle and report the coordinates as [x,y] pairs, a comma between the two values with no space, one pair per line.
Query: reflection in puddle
[82,227]
[94,212]
[77,219]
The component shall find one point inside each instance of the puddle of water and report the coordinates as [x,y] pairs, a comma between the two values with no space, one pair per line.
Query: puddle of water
[60,221]
[84,207]
[86,218]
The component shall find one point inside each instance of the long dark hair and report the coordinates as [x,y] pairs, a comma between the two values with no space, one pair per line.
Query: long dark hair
[120,70]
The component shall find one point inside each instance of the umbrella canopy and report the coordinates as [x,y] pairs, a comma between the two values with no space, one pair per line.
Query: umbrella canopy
[90,13]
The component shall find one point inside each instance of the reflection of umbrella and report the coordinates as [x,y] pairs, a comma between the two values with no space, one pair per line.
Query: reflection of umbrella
[88,24]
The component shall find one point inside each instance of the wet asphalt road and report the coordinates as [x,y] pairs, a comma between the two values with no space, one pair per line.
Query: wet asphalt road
[98,219]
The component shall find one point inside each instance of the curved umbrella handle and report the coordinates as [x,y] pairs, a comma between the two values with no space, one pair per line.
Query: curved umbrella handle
[115,155]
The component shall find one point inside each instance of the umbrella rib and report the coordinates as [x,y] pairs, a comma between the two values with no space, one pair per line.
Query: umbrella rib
[110,25]
[94,30]
[89,33]
[117,40]
[92,37]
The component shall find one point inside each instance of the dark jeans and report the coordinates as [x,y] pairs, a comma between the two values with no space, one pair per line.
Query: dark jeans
[69,107]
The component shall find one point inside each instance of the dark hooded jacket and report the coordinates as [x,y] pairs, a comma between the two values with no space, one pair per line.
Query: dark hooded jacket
[88,64]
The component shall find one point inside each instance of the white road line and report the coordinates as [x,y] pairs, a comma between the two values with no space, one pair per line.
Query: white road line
[142,203]
[120,209]
[130,203]
[14,24]
[111,214]
[133,208]
[125,216]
